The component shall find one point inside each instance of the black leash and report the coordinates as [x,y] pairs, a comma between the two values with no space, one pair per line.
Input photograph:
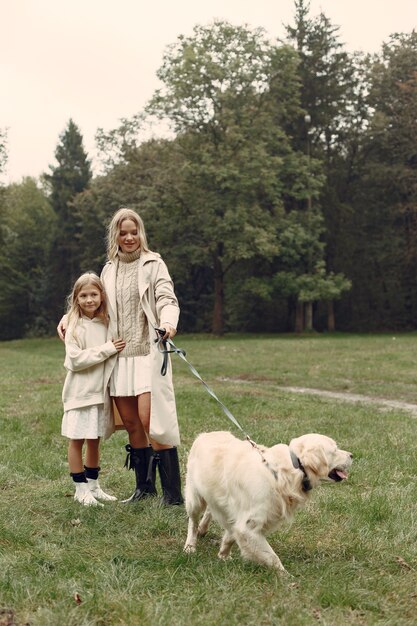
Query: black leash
[182,354]
[306,485]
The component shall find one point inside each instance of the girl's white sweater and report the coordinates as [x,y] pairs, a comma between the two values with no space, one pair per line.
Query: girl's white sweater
[86,350]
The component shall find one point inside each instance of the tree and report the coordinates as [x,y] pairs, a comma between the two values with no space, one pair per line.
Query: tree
[384,197]
[235,156]
[27,227]
[148,178]
[328,80]
[329,87]
[71,176]
[3,149]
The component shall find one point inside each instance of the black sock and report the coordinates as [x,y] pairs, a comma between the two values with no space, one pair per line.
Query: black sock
[78,477]
[92,472]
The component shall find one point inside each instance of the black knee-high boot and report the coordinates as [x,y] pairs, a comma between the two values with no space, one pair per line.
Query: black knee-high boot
[169,471]
[143,462]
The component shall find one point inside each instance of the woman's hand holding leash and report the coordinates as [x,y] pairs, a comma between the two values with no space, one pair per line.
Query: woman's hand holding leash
[169,331]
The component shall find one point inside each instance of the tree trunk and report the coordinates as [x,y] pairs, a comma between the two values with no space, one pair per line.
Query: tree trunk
[331,326]
[308,316]
[218,322]
[299,317]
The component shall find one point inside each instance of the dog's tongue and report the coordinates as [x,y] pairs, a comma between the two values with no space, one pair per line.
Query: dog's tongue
[341,474]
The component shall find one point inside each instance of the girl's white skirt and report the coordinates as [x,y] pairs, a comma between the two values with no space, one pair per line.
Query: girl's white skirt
[131,376]
[87,422]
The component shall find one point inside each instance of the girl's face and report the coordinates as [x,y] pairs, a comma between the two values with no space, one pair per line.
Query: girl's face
[128,238]
[89,300]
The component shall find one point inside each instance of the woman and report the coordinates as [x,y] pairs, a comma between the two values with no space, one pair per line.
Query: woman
[141,298]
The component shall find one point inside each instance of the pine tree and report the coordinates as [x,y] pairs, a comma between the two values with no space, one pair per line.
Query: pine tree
[384,196]
[328,85]
[71,176]
[3,149]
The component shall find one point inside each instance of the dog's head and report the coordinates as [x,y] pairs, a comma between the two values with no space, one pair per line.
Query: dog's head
[321,458]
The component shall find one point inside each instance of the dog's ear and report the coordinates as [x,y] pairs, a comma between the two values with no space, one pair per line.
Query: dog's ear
[311,455]
[315,460]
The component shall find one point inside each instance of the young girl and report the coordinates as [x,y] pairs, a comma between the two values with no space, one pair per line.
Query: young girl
[87,413]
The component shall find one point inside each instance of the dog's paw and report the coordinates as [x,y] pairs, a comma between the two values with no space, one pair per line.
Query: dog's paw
[283,572]
[224,557]
[189,549]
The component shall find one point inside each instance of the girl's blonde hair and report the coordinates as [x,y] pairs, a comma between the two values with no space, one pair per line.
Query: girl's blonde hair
[113,231]
[73,308]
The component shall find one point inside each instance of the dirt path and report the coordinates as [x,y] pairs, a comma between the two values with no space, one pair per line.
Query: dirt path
[344,397]
[353,397]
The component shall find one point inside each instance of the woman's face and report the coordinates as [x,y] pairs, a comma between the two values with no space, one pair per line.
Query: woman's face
[128,238]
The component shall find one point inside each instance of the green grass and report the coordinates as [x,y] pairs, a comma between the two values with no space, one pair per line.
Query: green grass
[351,552]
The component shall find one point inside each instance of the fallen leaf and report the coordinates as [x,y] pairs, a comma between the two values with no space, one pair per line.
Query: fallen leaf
[77,598]
[403,563]
[6,617]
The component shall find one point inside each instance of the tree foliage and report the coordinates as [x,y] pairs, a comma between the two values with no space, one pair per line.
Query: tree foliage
[264,219]
[222,97]
[332,99]
[3,149]
[70,177]
[27,227]
[383,197]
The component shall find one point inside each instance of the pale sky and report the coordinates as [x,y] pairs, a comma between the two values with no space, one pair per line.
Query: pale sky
[95,61]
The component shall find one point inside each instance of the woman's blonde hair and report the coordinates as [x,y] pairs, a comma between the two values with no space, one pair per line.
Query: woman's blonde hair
[113,231]
[73,308]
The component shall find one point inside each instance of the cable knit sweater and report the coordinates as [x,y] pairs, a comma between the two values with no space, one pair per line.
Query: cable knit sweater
[132,322]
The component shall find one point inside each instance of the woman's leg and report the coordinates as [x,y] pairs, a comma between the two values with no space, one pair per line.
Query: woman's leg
[165,456]
[129,413]
[75,455]
[139,451]
[144,410]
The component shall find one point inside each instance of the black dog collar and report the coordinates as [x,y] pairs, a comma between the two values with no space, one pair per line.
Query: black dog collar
[306,484]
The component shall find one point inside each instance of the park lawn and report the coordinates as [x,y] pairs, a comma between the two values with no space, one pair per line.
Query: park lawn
[351,552]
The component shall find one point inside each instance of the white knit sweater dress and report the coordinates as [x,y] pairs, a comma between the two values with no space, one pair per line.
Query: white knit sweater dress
[132,372]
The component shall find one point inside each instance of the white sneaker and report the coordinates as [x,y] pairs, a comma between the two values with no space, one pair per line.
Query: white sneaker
[97,491]
[84,496]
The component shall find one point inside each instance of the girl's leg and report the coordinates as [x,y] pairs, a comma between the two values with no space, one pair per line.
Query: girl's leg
[92,454]
[75,458]
[129,413]
[83,494]
[92,470]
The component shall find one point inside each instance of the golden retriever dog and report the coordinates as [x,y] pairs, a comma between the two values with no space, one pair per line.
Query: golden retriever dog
[250,490]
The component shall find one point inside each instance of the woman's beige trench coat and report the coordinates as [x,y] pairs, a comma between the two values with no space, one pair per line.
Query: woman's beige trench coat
[159,303]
